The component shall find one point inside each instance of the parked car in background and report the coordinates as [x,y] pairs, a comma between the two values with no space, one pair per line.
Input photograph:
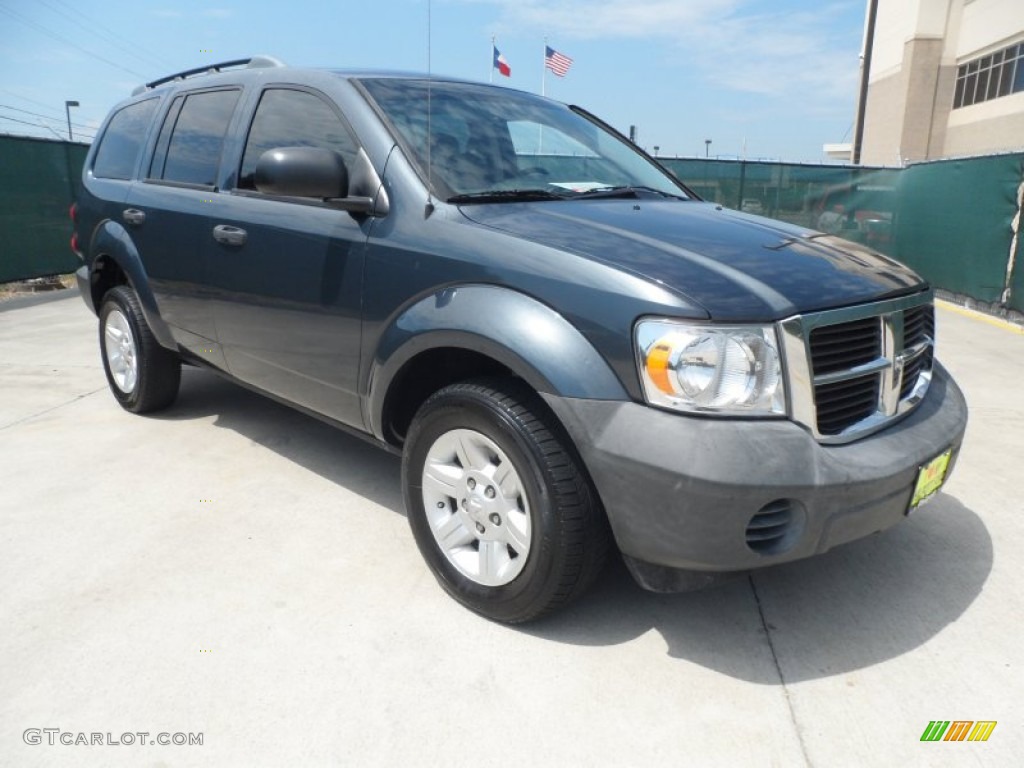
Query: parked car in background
[752,205]
[572,353]
[860,212]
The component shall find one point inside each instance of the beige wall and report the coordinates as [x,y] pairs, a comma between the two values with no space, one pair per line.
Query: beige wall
[899,124]
[918,45]
[987,24]
[883,121]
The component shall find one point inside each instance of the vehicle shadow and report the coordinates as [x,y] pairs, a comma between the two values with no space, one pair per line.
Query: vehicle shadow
[860,604]
[853,607]
[335,455]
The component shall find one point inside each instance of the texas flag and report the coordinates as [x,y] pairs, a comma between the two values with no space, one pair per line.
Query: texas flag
[500,64]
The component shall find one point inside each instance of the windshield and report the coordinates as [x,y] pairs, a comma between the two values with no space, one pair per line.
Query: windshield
[490,144]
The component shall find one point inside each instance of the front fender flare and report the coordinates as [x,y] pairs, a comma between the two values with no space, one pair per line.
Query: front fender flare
[526,336]
[112,241]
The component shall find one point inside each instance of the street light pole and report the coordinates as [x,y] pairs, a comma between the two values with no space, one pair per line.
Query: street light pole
[707,147]
[67,109]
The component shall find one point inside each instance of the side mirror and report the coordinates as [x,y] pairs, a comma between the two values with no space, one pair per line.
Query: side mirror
[302,172]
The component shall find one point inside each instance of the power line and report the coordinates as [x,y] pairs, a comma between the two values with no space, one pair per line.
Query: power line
[26,122]
[16,120]
[60,120]
[26,98]
[37,126]
[112,37]
[62,39]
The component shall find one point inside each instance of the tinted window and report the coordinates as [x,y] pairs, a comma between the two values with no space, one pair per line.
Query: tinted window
[120,145]
[196,137]
[156,167]
[287,118]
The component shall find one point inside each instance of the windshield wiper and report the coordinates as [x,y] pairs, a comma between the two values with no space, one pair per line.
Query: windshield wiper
[627,190]
[506,196]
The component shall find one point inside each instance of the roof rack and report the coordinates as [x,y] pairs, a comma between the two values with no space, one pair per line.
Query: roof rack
[251,63]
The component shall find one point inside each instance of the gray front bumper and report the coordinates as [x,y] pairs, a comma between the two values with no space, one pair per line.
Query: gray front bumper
[680,491]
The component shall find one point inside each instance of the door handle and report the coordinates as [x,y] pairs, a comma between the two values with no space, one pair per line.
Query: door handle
[133,216]
[222,233]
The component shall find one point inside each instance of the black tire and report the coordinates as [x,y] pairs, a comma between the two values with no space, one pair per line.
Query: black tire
[157,371]
[568,533]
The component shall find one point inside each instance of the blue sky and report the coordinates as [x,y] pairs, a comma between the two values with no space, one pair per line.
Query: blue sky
[765,78]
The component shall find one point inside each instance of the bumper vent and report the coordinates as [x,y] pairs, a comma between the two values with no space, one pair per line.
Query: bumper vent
[767,530]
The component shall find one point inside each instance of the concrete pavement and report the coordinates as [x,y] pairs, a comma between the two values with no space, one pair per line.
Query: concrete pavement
[236,569]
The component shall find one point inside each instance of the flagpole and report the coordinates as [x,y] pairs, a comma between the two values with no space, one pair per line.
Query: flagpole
[544,70]
[492,60]
[543,92]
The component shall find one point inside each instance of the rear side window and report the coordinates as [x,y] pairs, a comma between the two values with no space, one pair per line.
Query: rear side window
[120,145]
[290,118]
[188,149]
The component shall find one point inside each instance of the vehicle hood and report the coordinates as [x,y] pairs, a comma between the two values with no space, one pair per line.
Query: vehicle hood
[735,265]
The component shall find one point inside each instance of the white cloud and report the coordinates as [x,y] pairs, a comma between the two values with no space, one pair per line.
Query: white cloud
[167,13]
[741,45]
[597,19]
[218,13]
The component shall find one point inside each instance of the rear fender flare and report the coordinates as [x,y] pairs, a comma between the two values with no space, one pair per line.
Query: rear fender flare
[112,241]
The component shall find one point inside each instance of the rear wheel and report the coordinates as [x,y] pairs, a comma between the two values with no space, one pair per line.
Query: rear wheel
[498,503]
[143,376]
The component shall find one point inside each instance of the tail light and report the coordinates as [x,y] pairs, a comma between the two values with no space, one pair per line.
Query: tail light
[73,215]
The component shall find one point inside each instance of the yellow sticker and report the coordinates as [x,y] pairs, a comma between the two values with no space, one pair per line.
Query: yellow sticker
[930,478]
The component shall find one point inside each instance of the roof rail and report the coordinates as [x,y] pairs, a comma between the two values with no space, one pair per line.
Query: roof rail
[250,63]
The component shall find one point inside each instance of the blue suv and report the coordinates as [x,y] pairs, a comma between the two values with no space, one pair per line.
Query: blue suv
[573,354]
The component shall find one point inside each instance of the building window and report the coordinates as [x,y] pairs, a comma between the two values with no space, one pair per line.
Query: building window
[989,77]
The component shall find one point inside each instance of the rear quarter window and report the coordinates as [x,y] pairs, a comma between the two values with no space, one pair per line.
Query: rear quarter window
[122,141]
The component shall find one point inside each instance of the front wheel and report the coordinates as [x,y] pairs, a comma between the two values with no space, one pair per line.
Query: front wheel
[143,376]
[500,508]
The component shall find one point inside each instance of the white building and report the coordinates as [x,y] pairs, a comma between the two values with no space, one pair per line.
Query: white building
[946,80]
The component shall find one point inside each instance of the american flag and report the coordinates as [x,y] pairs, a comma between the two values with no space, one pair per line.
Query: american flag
[556,62]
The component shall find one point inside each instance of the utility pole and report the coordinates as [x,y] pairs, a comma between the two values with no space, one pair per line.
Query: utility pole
[865,73]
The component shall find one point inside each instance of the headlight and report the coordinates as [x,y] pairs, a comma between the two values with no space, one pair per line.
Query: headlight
[734,370]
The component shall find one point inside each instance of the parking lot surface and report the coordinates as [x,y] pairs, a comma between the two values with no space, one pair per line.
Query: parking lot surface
[233,568]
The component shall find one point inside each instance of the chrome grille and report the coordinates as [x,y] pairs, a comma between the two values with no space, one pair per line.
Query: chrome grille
[918,334]
[844,345]
[842,404]
[851,371]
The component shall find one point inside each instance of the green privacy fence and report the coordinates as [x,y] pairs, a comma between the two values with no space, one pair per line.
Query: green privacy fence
[952,220]
[38,180]
[956,225]
[1017,273]
[857,203]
